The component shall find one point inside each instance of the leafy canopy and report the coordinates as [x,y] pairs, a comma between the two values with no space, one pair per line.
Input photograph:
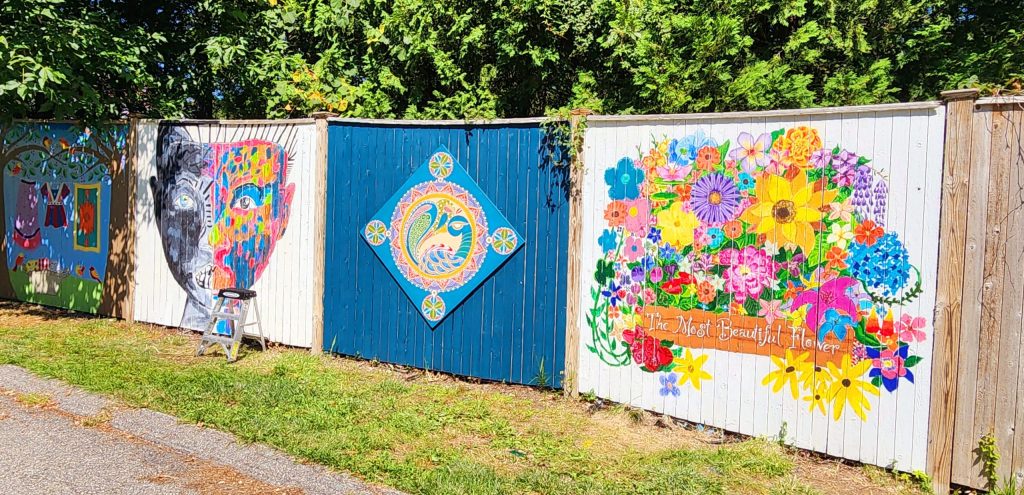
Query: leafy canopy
[495,58]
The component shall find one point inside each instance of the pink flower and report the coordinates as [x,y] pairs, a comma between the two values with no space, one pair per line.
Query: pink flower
[831,295]
[910,328]
[656,274]
[749,271]
[633,249]
[770,310]
[649,296]
[673,172]
[638,216]
[890,364]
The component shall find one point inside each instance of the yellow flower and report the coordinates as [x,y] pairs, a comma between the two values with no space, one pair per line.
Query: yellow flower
[817,399]
[787,372]
[785,209]
[798,316]
[848,388]
[677,226]
[813,376]
[794,148]
[691,370]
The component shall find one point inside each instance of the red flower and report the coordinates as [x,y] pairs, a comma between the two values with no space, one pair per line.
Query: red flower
[647,351]
[867,233]
[883,328]
[675,285]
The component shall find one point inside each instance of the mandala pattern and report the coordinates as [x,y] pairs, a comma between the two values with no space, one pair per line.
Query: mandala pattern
[432,307]
[504,240]
[441,165]
[376,232]
[437,236]
[433,236]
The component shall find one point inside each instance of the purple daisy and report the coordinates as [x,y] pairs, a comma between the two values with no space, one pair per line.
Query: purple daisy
[715,199]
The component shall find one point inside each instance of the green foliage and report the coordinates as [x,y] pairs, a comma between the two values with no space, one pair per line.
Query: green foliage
[988,452]
[465,59]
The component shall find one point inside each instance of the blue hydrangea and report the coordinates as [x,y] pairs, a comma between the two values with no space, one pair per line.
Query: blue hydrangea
[624,180]
[684,150]
[882,265]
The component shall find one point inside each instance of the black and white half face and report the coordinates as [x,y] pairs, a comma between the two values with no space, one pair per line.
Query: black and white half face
[181,193]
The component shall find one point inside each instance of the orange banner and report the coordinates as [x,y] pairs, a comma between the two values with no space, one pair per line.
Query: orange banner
[745,334]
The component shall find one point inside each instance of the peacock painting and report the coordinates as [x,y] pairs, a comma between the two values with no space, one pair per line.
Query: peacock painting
[440,237]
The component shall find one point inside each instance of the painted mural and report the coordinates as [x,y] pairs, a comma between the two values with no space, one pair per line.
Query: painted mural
[220,209]
[766,244]
[440,237]
[56,191]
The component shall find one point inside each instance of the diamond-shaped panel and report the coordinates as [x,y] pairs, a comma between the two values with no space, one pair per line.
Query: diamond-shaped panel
[440,236]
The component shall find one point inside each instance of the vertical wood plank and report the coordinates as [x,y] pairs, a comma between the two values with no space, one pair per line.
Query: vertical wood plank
[574,281]
[953,220]
[983,243]
[319,184]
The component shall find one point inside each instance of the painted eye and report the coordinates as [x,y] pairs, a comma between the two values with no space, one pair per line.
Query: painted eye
[184,202]
[247,197]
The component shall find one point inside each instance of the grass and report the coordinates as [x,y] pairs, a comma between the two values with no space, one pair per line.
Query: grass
[413,431]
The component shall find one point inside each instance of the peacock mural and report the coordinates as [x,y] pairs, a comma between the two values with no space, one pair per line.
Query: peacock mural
[440,237]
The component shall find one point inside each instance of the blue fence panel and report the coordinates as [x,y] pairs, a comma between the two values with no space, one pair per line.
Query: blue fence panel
[512,322]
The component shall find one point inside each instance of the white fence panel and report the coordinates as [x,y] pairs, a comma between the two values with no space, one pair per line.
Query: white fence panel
[767,273]
[226,205]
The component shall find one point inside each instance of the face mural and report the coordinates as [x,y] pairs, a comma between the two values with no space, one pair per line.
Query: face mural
[220,209]
[770,245]
[57,240]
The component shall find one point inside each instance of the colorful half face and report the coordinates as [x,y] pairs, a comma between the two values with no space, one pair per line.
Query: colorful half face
[251,199]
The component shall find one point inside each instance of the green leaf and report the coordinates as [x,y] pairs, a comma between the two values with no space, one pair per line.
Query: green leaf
[723,150]
[876,381]
[866,338]
[664,196]
[912,360]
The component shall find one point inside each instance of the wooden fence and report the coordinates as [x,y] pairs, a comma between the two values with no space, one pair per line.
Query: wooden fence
[506,324]
[850,280]
[981,295]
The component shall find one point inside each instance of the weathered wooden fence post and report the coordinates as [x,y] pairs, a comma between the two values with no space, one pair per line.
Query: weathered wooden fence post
[952,247]
[319,229]
[570,382]
[132,171]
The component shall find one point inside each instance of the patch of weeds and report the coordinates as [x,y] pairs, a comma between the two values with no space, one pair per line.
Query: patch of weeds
[34,399]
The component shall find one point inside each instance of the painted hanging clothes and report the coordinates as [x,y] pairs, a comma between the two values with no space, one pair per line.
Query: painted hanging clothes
[56,214]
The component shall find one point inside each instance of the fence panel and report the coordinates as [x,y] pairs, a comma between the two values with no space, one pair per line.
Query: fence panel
[512,323]
[769,274]
[66,214]
[989,379]
[222,204]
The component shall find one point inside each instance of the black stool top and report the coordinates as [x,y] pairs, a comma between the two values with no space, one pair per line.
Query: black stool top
[236,293]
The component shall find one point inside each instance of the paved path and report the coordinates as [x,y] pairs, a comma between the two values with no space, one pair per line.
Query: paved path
[55,439]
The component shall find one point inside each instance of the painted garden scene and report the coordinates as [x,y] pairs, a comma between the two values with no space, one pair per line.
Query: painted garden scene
[550,247]
[773,246]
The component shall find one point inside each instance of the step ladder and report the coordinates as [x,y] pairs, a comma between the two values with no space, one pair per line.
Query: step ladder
[233,308]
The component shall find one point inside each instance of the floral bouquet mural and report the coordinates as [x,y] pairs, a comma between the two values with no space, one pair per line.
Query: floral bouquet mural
[770,245]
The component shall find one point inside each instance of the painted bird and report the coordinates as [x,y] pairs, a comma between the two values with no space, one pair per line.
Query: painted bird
[94,274]
[80,270]
[64,144]
[47,142]
[438,239]
[18,261]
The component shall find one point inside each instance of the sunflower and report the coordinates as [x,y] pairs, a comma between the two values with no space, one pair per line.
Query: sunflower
[691,370]
[788,372]
[848,388]
[816,400]
[786,209]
